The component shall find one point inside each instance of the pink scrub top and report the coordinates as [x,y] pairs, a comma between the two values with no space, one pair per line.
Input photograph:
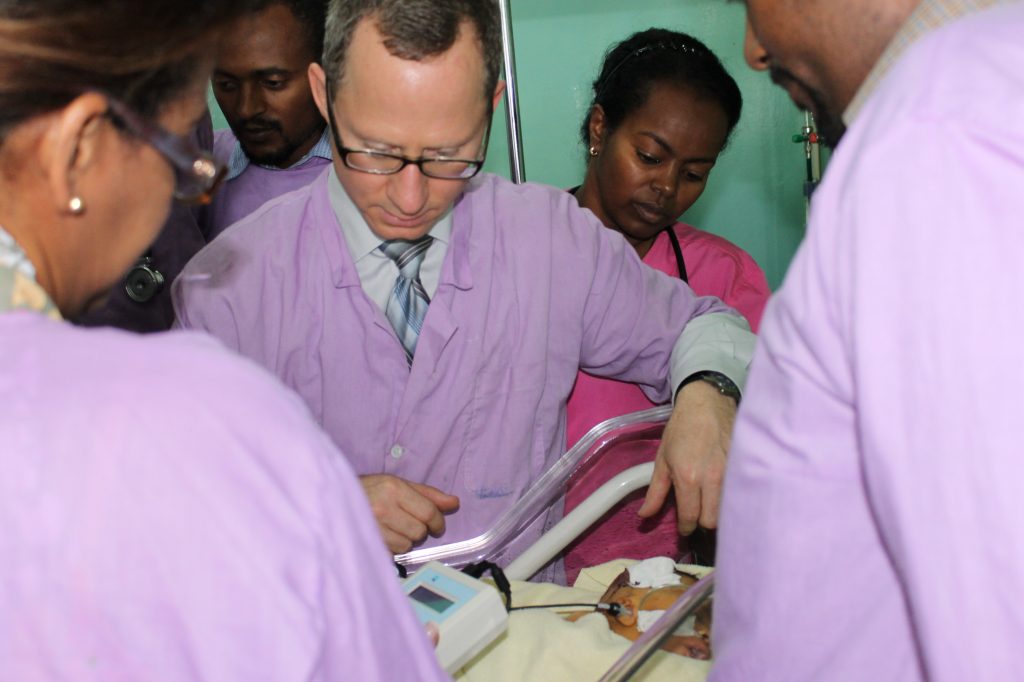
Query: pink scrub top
[715,267]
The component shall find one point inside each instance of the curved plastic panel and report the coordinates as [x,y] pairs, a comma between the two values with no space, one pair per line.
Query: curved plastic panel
[576,522]
[548,489]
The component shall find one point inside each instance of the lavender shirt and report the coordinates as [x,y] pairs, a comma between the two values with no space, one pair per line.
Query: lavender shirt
[873,519]
[532,288]
[168,512]
[255,185]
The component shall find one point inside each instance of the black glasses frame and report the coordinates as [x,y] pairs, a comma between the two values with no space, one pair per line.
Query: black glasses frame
[473,166]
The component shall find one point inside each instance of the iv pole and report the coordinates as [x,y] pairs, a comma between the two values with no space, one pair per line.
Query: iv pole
[515,134]
[808,136]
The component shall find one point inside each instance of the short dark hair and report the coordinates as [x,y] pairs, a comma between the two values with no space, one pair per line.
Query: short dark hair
[51,51]
[414,29]
[658,55]
[311,14]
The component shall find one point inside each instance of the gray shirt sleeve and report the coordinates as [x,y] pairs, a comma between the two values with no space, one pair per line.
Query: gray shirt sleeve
[717,342]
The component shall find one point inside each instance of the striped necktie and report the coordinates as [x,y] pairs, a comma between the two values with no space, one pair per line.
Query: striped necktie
[407,305]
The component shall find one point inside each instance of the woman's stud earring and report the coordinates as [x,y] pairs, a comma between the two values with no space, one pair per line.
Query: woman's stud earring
[76,206]
[593,151]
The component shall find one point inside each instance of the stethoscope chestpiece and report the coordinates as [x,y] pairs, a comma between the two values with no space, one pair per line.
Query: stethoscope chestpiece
[144,281]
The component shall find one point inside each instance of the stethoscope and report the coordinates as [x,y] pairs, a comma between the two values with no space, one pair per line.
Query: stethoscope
[680,263]
[676,248]
[144,281]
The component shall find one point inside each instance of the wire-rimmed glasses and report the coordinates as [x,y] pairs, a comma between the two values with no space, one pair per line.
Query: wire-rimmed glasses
[197,173]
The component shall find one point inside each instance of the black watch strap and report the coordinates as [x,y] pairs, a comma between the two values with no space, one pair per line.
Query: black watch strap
[724,384]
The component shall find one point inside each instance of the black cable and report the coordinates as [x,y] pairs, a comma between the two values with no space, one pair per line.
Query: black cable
[500,581]
[612,609]
[551,606]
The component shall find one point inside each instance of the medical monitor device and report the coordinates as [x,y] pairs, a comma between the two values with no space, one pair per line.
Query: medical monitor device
[468,613]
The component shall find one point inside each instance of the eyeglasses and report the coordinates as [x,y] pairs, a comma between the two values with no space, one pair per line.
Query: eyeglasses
[383,163]
[197,174]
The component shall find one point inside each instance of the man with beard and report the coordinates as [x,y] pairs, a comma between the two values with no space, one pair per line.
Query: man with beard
[872,525]
[278,141]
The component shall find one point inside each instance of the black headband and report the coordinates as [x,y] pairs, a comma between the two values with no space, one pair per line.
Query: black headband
[659,46]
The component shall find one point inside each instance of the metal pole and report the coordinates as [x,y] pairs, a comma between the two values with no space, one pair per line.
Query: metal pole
[515,134]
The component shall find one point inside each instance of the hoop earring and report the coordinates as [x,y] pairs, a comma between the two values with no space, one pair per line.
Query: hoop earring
[76,206]
[593,150]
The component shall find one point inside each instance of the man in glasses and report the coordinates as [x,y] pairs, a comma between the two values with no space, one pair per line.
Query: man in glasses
[873,526]
[278,142]
[434,319]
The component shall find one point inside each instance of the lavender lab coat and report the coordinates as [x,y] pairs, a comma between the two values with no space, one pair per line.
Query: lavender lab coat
[201,530]
[532,288]
[873,519]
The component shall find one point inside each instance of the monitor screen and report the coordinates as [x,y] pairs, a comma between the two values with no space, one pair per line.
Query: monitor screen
[431,599]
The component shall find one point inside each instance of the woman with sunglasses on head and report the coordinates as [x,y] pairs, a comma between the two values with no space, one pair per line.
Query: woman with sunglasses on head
[167,511]
[663,110]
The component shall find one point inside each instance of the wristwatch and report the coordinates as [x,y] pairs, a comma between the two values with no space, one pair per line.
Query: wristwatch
[724,384]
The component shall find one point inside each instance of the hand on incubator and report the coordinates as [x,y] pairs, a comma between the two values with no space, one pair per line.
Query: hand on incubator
[405,511]
[691,457]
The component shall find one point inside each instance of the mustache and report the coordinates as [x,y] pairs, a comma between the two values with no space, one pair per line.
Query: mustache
[259,124]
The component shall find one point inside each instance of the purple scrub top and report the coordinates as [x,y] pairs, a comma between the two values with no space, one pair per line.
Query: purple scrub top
[241,195]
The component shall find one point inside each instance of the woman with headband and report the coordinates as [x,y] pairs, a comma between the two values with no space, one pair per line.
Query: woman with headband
[167,511]
[663,110]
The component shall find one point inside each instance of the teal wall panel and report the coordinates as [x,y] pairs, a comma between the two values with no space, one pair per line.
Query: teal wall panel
[754,195]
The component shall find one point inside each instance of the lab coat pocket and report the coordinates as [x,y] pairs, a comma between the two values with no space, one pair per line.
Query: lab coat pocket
[500,441]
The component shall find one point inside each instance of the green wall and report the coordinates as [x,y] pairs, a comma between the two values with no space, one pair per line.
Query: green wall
[754,195]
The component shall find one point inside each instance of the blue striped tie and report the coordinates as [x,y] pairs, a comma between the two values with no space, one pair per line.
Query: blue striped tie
[407,305]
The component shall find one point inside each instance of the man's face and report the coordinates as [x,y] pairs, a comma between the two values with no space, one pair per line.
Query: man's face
[430,108]
[783,37]
[261,86]
[821,51]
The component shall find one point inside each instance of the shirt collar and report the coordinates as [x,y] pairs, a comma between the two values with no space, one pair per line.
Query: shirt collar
[18,287]
[929,16]
[239,161]
[361,240]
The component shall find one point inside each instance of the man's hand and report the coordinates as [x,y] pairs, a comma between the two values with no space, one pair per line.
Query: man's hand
[692,456]
[406,512]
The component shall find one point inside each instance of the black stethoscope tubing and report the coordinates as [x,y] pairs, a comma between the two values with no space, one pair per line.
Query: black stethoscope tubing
[680,263]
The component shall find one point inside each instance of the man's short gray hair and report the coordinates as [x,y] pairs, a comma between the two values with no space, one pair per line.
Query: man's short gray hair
[415,30]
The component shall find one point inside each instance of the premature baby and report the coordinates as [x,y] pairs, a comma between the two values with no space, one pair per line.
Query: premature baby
[643,592]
